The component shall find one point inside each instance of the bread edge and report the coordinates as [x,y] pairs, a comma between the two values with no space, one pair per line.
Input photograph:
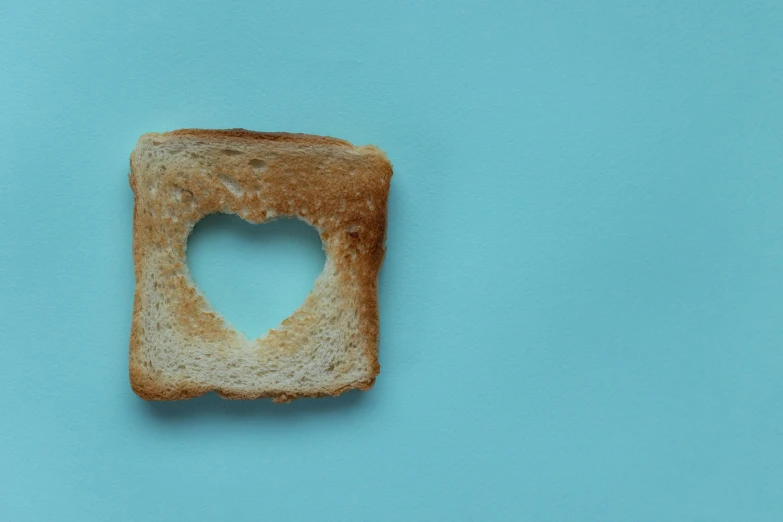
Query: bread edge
[244,134]
[150,389]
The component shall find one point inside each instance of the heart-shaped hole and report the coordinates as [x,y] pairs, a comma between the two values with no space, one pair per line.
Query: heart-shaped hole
[254,275]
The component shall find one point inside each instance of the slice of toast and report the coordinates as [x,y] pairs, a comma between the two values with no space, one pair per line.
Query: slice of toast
[180,347]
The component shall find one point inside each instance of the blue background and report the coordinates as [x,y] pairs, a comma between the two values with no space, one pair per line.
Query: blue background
[581,305]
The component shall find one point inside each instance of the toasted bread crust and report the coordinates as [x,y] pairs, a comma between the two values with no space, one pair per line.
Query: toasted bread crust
[339,189]
[244,134]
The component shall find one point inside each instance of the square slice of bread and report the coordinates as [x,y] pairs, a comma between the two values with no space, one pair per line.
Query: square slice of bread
[180,347]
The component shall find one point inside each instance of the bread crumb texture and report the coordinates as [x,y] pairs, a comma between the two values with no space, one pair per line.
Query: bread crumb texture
[180,347]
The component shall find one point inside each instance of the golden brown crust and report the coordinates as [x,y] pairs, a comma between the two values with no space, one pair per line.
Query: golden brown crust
[244,134]
[343,193]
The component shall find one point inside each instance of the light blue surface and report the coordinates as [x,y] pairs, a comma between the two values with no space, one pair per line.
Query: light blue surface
[582,300]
